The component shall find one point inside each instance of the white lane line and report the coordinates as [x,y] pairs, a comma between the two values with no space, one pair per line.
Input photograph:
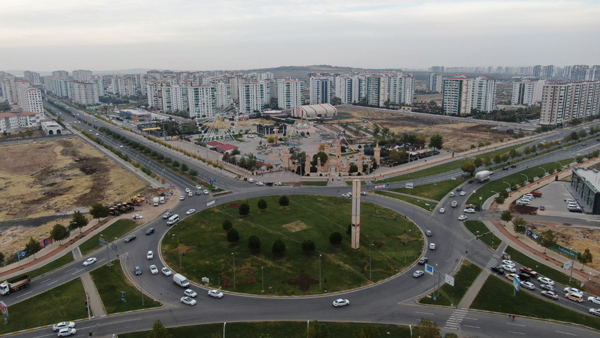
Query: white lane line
[56,281]
[475,327]
[567,333]
[515,332]
[23,294]
[70,270]
[424,313]
[515,324]
[469,318]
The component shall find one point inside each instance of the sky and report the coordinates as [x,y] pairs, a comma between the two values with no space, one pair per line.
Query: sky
[101,35]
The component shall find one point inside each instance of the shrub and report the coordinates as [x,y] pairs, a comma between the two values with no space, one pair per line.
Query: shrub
[233,236]
[335,238]
[308,246]
[278,248]
[262,204]
[254,244]
[244,209]
[284,201]
[227,225]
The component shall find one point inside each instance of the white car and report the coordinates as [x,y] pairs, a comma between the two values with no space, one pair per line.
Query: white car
[363,193]
[545,280]
[167,215]
[165,271]
[191,211]
[66,332]
[432,246]
[150,255]
[595,300]
[469,211]
[260,183]
[89,261]
[205,192]
[418,273]
[63,325]
[442,210]
[341,302]
[509,268]
[190,293]
[595,312]
[181,198]
[153,269]
[528,285]
[137,216]
[188,300]
[523,202]
[187,190]
[452,194]
[216,293]
[462,217]
[462,193]
[198,187]
[277,183]
[572,290]
[508,262]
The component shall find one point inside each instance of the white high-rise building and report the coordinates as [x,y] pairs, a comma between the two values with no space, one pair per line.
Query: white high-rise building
[564,102]
[32,77]
[527,92]
[29,98]
[320,89]
[202,101]
[99,81]
[347,88]
[174,98]
[483,95]
[434,82]
[377,90]
[85,93]
[9,88]
[401,89]
[461,95]
[253,96]
[289,93]
[82,75]
[60,74]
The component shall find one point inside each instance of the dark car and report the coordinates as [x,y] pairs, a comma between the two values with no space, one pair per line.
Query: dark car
[423,260]
[138,271]
[498,269]
[524,277]
[269,184]
[129,238]
[505,168]
[150,231]
[529,271]
[459,189]
[477,208]
[470,181]
[513,165]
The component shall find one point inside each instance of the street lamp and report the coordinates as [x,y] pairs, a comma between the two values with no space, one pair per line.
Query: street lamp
[370,266]
[320,271]
[178,248]
[480,207]
[262,278]
[233,255]
[507,184]
[526,177]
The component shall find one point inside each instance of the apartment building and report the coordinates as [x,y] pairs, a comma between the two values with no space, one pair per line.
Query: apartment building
[253,96]
[401,89]
[462,94]
[18,119]
[32,77]
[434,82]
[564,102]
[377,90]
[82,75]
[289,93]
[320,89]
[527,92]
[86,93]
[347,88]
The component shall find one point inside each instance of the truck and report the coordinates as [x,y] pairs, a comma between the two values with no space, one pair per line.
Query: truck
[482,176]
[536,194]
[155,201]
[180,280]
[162,199]
[14,284]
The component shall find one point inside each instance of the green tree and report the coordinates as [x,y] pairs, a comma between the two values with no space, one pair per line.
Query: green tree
[32,246]
[59,232]
[254,244]
[478,162]
[284,201]
[184,167]
[506,216]
[585,257]
[159,331]
[227,225]
[335,238]
[376,130]
[78,220]
[497,159]
[278,248]
[468,167]
[262,204]
[193,172]
[436,141]
[366,332]
[487,161]
[427,329]
[520,225]
[548,239]
[99,211]
[244,209]
[176,164]
[233,236]
[308,246]
[317,330]
[2,258]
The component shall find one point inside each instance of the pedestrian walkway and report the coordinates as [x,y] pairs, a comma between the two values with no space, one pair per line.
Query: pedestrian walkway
[95,302]
[453,323]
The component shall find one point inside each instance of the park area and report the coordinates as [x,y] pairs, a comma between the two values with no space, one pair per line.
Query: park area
[388,240]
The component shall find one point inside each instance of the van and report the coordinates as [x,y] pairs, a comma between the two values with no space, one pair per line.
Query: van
[162,199]
[173,219]
[180,280]
[250,180]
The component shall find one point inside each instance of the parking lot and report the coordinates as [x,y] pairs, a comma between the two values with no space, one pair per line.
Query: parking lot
[553,200]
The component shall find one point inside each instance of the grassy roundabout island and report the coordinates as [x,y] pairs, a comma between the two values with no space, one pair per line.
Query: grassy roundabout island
[207,250]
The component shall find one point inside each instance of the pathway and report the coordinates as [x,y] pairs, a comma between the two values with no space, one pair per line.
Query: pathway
[95,302]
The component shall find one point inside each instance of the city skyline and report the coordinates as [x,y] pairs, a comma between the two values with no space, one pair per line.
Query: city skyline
[230,35]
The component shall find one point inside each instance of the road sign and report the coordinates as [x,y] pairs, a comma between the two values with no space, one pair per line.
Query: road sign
[516,284]
[449,280]
[213,181]
[102,241]
[429,269]
[567,265]
[409,185]
[4,308]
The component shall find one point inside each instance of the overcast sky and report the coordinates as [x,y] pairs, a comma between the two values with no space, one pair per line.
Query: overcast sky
[44,35]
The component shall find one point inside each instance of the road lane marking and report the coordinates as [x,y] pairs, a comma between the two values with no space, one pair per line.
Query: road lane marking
[56,281]
[515,332]
[23,294]
[424,313]
[475,327]
[567,333]
[515,324]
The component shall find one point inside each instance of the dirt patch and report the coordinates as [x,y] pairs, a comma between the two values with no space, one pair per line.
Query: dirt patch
[304,282]
[522,209]
[295,226]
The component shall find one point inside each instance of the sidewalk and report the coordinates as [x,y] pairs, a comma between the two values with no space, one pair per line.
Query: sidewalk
[469,297]
[95,302]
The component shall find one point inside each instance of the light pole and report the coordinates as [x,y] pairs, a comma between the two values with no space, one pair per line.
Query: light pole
[233,255]
[507,184]
[370,266]
[262,278]
[527,178]
[320,271]
[480,207]
[178,248]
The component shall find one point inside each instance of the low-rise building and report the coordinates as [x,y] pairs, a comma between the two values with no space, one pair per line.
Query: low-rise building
[18,119]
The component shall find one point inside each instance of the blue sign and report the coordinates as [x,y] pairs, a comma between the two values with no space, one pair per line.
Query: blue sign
[532,234]
[213,181]
[22,254]
[516,284]
[429,269]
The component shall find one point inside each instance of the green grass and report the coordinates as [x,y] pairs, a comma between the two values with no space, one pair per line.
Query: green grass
[451,295]
[540,268]
[110,281]
[497,295]
[449,166]
[493,187]
[307,218]
[409,199]
[63,303]
[276,329]
[53,265]
[113,232]
[350,182]
[434,191]
[316,183]
[478,228]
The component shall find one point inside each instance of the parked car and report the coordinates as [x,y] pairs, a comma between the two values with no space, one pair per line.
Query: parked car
[137,216]
[341,302]
[423,260]
[188,300]
[260,183]
[278,183]
[550,294]
[469,211]
[523,202]
[216,293]
[542,208]
[418,273]
[89,261]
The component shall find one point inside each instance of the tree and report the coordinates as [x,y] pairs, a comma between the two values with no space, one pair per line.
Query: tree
[233,236]
[244,209]
[78,220]
[176,164]
[487,161]
[506,216]
[1,258]
[478,162]
[520,225]
[427,329]
[159,331]
[184,167]
[335,238]
[317,330]
[436,141]
[262,204]
[59,232]
[227,225]
[32,246]
[468,167]
[254,244]
[585,257]
[99,211]
[284,201]
[547,239]
[366,332]
[497,159]
[308,246]
[278,248]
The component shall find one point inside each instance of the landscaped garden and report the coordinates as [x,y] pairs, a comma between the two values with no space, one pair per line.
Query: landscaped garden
[292,244]
[449,295]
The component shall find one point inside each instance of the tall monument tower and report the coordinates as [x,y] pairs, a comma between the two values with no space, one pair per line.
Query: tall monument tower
[355,229]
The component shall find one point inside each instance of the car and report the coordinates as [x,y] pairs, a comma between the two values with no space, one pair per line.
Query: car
[187,190]
[431,246]
[66,332]
[137,216]
[137,271]
[462,193]
[423,260]
[512,276]
[595,312]
[260,183]
[188,300]
[442,210]
[181,198]
[462,217]
[121,146]
[452,194]
[341,302]
[190,194]
[153,269]
[459,189]
[524,277]
[205,192]
[199,192]
[418,273]
[498,269]
[63,325]
[573,205]
[363,193]
[129,238]
[576,297]
[344,195]
[529,271]
[569,200]
[198,187]
[165,271]
[470,181]
[428,233]
[470,211]
[595,300]
[528,196]
[89,261]
[278,183]
[505,168]
[528,285]
[545,280]
[542,208]
[190,293]
[191,211]
[216,293]
[523,202]
[550,294]
[508,262]
[572,290]
[167,215]
[547,287]
[509,268]
[150,231]
[513,165]
[576,209]
[150,255]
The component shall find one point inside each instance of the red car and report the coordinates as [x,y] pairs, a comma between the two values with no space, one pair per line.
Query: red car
[529,271]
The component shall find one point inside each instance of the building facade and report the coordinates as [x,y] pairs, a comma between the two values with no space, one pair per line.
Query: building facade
[527,92]
[320,89]
[564,102]
[401,89]
[434,82]
[461,95]
[18,119]
[253,97]
[289,93]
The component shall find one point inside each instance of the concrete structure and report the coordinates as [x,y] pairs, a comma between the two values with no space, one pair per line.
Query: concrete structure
[527,92]
[82,75]
[587,185]
[32,77]
[60,74]
[355,228]
[288,93]
[377,90]
[435,82]
[137,116]
[29,98]
[51,128]
[312,112]
[563,102]
[85,93]
[271,129]
[347,88]
[225,148]
[253,97]
[320,89]
[401,89]
[461,95]
[18,119]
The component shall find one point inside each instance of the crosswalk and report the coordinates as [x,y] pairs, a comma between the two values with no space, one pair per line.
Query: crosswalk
[492,262]
[455,319]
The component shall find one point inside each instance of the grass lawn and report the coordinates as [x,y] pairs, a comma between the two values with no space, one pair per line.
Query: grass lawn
[110,281]
[63,303]
[463,280]
[409,199]
[316,183]
[477,228]
[55,264]
[542,269]
[434,191]
[497,295]
[114,231]
[277,329]
[207,253]
[493,187]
